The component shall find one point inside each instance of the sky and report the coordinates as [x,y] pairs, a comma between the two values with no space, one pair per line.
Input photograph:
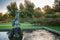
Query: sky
[38,3]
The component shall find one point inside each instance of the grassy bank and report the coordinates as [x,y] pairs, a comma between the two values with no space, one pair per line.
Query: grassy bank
[28,25]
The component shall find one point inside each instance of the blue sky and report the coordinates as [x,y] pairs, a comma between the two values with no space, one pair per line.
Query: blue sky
[4,3]
[38,3]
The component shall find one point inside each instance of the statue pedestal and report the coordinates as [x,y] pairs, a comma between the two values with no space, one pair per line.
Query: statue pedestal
[15,34]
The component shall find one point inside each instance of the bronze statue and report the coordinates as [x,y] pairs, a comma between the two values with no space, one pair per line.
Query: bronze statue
[16,32]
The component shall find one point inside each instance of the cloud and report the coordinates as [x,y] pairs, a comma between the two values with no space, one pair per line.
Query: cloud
[38,3]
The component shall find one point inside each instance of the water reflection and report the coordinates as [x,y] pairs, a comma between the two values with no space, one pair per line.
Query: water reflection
[3,36]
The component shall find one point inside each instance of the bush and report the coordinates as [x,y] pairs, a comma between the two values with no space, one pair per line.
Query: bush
[52,22]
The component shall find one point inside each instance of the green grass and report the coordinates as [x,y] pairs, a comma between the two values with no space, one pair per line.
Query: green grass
[5,26]
[26,25]
[54,27]
[22,25]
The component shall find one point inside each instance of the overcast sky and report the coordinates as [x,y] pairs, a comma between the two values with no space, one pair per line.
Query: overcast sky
[38,3]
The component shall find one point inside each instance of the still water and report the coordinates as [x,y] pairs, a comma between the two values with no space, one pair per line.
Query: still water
[3,36]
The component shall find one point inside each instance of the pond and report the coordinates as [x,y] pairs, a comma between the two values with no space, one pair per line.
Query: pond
[34,35]
[3,36]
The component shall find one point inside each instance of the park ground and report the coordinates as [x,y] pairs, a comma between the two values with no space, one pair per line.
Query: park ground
[28,25]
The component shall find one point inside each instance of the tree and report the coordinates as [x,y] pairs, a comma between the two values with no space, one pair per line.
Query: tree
[21,6]
[1,16]
[5,16]
[46,8]
[12,8]
[49,13]
[50,16]
[38,12]
[29,8]
[26,10]
[38,20]
[22,10]
[56,6]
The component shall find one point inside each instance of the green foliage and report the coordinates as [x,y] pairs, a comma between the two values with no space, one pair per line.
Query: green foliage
[1,15]
[30,14]
[52,22]
[29,4]
[57,8]
[27,10]
[51,15]
[47,8]
[12,8]
[38,12]
[21,6]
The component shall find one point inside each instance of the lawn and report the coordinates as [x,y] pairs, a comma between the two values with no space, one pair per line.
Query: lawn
[54,27]
[22,25]
[28,25]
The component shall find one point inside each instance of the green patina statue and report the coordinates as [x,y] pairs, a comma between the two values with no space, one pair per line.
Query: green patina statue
[15,33]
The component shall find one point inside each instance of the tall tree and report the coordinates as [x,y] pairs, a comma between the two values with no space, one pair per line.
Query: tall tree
[22,10]
[49,12]
[57,6]
[11,8]
[38,13]
[29,8]
[21,6]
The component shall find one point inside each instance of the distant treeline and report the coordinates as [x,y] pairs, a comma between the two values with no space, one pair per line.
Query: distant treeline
[28,13]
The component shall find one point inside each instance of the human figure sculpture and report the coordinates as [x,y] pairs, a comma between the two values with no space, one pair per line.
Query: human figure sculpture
[15,33]
[15,21]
